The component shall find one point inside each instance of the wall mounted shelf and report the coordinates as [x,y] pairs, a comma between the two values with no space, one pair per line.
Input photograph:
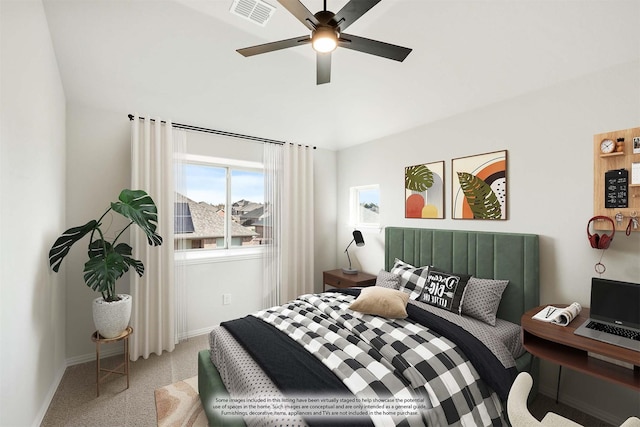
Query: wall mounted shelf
[610,155]
[603,163]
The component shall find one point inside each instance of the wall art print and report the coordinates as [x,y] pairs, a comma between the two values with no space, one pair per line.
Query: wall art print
[479,186]
[424,190]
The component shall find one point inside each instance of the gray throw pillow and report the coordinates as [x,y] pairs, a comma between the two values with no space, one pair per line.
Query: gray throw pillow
[388,280]
[482,297]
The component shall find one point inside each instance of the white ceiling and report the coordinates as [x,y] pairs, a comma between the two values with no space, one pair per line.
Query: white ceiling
[176,59]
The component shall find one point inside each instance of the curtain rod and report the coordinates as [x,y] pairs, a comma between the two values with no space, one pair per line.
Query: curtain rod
[219,132]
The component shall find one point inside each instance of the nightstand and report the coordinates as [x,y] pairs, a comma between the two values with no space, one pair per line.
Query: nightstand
[337,279]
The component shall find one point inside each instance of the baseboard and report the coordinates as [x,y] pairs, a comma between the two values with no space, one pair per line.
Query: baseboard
[49,397]
[605,416]
[107,352]
[196,332]
[91,357]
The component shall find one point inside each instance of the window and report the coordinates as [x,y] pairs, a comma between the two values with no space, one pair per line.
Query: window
[365,206]
[221,204]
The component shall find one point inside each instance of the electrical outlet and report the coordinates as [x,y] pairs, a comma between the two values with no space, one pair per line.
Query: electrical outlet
[226,299]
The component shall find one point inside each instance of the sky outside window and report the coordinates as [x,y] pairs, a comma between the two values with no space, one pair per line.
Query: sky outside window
[369,196]
[247,185]
[208,184]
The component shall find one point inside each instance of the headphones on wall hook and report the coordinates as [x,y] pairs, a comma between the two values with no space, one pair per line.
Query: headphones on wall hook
[596,240]
[600,241]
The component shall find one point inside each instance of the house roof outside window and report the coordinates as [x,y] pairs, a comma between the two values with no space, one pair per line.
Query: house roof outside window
[208,222]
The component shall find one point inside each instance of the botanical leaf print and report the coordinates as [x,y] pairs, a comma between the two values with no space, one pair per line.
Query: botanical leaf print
[482,200]
[418,178]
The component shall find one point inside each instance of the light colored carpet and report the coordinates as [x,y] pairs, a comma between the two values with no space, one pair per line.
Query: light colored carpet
[75,403]
[178,405]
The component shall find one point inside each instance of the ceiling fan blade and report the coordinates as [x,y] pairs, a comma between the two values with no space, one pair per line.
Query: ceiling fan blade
[323,68]
[352,11]
[374,47]
[270,47]
[297,9]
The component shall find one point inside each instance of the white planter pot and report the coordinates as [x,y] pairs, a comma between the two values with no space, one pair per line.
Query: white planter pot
[112,318]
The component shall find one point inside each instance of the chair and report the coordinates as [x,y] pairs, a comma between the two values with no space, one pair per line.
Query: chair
[519,415]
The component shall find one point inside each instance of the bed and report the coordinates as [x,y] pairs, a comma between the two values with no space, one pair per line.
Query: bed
[233,377]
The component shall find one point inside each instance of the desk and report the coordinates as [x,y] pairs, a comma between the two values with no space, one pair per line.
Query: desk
[99,339]
[337,279]
[559,344]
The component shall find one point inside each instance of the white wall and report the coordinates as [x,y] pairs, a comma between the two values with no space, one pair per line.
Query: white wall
[32,159]
[208,280]
[98,168]
[549,138]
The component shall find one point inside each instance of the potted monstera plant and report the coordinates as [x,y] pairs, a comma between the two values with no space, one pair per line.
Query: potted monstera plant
[109,260]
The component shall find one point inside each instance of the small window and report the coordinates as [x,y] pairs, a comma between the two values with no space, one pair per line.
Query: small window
[365,206]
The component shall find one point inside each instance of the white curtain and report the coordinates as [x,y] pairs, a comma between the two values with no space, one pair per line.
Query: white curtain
[153,315]
[179,151]
[273,188]
[289,231]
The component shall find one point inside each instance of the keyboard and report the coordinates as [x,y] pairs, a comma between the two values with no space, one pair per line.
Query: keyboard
[614,330]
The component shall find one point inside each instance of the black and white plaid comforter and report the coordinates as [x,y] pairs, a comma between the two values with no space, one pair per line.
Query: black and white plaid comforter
[378,357]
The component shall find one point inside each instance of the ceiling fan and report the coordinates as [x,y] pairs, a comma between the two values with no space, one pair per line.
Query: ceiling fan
[327,34]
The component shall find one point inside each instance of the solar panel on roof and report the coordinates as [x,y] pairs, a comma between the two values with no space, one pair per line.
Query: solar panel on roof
[183,223]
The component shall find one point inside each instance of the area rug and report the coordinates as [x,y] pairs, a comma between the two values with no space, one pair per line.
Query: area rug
[178,405]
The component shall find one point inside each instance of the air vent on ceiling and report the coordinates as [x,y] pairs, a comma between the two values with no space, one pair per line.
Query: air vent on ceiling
[255,11]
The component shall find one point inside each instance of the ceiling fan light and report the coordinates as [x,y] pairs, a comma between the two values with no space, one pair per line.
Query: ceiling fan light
[324,40]
[324,45]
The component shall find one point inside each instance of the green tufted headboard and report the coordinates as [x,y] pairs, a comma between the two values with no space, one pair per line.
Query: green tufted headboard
[488,255]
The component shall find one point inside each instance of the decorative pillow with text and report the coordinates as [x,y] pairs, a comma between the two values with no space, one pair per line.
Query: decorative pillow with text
[444,290]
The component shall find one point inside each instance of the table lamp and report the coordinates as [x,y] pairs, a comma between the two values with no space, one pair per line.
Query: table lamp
[357,237]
